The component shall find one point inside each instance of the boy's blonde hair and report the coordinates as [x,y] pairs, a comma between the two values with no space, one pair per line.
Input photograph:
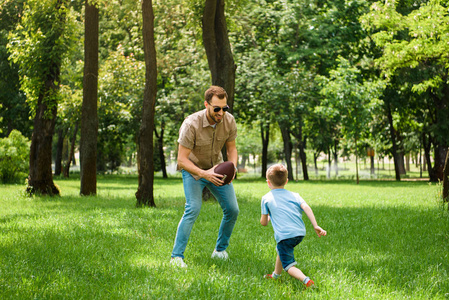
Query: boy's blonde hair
[277,175]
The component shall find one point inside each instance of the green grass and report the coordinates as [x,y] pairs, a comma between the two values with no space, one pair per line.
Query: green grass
[386,240]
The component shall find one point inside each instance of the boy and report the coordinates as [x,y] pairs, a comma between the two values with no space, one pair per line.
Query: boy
[285,208]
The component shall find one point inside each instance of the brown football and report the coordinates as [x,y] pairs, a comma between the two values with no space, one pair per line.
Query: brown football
[226,169]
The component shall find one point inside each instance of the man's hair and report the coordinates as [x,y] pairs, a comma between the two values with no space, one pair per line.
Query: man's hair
[277,175]
[215,90]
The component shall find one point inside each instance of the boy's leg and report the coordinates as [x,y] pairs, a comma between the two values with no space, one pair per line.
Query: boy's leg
[278,267]
[226,197]
[277,270]
[193,190]
[286,257]
[297,273]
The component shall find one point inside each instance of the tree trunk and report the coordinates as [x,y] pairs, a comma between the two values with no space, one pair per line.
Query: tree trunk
[420,162]
[245,158]
[407,162]
[144,192]
[440,140]
[287,149]
[71,152]
[59,147]
[40,180]
[394,151]
[218,48]
[401,162]
[265,133]
[297,160]
[303,157]
[446,178]
[335,153]
[89,115]
[427,145]
[438,166]
[160,144]
[302,153]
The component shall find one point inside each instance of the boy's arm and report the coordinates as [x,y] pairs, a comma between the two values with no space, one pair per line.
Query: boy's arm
[264,220]
[319,231]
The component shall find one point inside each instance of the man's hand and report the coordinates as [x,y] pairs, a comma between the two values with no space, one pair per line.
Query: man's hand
[213,177]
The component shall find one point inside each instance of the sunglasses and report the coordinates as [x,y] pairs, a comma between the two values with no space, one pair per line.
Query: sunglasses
[218,108]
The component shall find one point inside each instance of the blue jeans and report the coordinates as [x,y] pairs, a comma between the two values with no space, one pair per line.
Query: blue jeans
[285,250]
[193,190]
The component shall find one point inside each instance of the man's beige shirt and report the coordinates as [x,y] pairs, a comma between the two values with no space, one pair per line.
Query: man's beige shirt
[204,140]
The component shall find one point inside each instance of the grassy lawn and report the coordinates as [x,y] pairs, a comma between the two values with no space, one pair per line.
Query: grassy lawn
[386,240]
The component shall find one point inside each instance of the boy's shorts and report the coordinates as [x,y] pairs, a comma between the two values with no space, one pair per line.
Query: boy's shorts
[285,251]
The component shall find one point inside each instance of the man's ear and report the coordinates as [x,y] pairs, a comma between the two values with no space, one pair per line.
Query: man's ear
[205,103]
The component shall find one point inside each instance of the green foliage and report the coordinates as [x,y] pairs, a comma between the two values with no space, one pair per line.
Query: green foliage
[119,110]
[38,45]
[120,26]
[14,113]
[183,72]
[411,41]
[14,157]
[414,60]
[279,47]
[345,91]
[387,241]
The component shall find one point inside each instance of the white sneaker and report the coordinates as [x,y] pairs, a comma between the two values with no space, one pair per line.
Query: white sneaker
[178,262]
[220,254]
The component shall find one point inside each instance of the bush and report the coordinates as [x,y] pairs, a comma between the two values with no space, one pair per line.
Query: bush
[14,157]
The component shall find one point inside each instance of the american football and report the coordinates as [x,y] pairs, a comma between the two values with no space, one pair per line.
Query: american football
[226,169]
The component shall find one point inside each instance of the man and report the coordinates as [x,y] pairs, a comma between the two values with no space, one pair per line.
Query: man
[201,138]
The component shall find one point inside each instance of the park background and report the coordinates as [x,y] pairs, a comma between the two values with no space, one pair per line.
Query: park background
[352,96]
[309,81]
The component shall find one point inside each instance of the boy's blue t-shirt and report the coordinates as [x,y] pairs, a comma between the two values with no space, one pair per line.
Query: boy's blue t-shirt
[284,209]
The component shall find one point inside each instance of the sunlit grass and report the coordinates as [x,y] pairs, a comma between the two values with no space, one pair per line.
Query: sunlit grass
[386,240]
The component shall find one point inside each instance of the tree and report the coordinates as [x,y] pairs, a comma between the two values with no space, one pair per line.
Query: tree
[69,112]
[144,192]
[119,109]
[89,115]
[71,153]
[255,86]
[218,47]
[299,84]
[348,93]
[414,39]
[38,46]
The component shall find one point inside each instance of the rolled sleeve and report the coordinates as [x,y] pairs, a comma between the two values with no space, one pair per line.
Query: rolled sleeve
[233,132]
[186,135]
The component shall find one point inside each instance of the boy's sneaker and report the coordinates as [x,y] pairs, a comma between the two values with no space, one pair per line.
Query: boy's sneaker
[310,284]
[178,262]
[220,254]
[270,276]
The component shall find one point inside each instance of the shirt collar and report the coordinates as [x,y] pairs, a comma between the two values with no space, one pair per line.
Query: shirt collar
[206,121]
